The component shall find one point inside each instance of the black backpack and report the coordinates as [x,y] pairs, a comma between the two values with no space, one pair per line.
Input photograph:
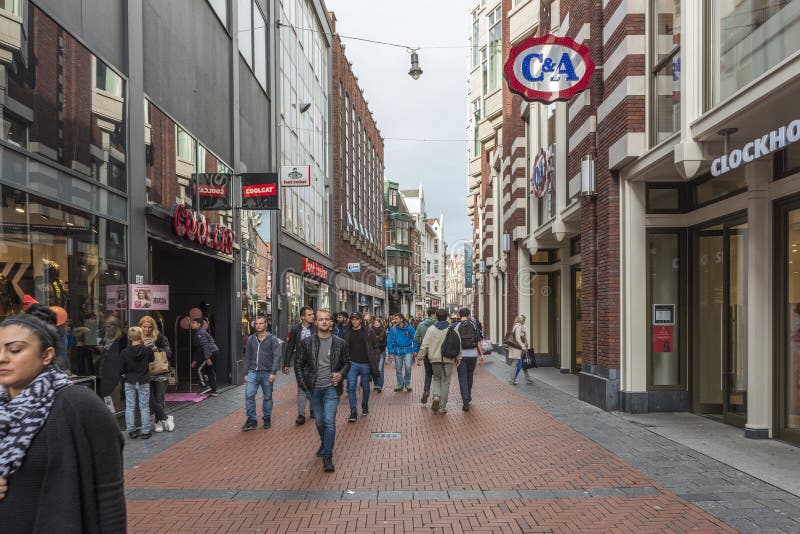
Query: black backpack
[451,346]
[469,335]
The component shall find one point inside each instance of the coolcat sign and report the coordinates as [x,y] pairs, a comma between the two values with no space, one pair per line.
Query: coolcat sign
[548,68]
[757,148]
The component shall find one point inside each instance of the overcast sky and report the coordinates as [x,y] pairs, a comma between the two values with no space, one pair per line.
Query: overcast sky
[432,107]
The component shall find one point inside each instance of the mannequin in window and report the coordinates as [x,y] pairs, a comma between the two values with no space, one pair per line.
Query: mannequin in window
[10,303]
[56,294]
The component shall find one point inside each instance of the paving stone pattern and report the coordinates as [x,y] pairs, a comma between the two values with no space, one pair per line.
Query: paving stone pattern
[506,466]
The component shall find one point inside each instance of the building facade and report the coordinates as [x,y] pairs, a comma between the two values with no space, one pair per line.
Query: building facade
[401,243]
[100,139]
[358,235]
[458,294]
[671,288]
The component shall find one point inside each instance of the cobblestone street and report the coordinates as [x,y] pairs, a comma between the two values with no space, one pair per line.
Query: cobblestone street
[508,465]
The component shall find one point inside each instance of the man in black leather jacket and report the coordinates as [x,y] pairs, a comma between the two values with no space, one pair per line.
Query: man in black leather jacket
[321,363]
[300,331]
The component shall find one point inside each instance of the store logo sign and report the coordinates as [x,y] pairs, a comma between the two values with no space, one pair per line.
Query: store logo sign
[263,190]
[314,269]
[219,191]
[186,223]
[757,148]
[548,68]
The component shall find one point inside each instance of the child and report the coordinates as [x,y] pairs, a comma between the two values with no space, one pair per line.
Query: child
[204,353]
[135,371]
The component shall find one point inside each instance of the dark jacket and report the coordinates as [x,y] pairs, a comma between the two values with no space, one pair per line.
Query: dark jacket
[71,478]
[373,357]
[305,365]
[379,339]
[136,364]
[203,346]
[264,355]
[293,343]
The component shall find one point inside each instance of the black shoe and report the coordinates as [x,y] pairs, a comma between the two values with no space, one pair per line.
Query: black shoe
[353,417]
[365,409]
[267,423]
[328,465]
[301,420]
[465,407]
[146,436]
[319,452]
[250,424]
[377,389]
[134,434]
[311,414]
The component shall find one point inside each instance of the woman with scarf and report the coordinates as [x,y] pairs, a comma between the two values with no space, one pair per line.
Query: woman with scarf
[60,448]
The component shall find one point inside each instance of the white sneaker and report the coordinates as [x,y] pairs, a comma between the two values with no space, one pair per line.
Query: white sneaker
[159,427]
[169,424]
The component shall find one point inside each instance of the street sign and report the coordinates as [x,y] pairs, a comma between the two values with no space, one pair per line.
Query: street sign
[548,68]
[295,175]
[212,190]
[260,191]
[389,282]
[354,267]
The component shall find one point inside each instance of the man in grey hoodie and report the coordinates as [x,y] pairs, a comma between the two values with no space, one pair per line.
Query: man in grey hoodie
[262,361]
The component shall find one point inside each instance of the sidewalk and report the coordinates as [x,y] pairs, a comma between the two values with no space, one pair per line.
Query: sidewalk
[506,466]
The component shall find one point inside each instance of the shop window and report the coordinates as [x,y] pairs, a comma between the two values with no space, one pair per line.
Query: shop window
[747,39]
[666,74]
[665,198]
[540,312]
[787,161]
[712,189]
[663,284]
[294,297]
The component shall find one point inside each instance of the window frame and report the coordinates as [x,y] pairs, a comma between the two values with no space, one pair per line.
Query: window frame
[657,67]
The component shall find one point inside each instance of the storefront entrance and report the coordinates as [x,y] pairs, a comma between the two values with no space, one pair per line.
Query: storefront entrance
[719,342]
[788,323]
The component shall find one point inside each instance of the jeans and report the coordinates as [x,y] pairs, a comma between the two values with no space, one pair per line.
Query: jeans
[363,370]
[324,402]
[466,371]
[428,374]
[381,363]
[400,361]
[142,391]
[157,390]
[515,369]
[255,380]
[441,383]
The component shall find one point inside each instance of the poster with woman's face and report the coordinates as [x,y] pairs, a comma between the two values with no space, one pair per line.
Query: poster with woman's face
[149,297]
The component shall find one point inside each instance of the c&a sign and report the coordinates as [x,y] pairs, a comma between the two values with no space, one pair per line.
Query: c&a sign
[548,68]
[186,223]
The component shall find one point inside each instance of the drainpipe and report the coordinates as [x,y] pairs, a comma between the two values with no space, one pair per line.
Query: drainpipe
[596,33]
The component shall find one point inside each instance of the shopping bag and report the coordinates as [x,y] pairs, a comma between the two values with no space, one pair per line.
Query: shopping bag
[528,359]
[486,346]
[159,365]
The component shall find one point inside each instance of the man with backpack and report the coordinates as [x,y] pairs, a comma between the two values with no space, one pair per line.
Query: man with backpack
[470,335]
[442,346]
[418,337]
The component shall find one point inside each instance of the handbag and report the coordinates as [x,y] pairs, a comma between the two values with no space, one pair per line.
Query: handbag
[528,359]
[159,365]
[511,340]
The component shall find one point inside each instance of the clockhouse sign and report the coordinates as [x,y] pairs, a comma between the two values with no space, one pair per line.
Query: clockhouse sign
[548,68]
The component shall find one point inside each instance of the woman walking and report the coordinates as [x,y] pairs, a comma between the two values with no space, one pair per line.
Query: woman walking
[153,339]
[379,345]
[515,351]
[60,448]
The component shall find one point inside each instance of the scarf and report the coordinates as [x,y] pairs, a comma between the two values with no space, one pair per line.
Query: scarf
[22,417]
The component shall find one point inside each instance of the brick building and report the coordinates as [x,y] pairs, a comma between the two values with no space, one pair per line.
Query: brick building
[357,190]
[658,289]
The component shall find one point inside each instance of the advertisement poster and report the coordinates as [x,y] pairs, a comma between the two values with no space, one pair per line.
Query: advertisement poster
[663,339]
[117,297]
[149,297]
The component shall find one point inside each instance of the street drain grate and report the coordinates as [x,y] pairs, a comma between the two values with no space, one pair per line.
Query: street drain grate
[385,435]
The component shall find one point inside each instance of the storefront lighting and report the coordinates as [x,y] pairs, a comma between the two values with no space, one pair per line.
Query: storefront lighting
[506,243]
[19,208]
[415,71]
[482,266]
[588,178]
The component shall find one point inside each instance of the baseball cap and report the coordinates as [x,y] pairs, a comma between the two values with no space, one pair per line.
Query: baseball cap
[356,315]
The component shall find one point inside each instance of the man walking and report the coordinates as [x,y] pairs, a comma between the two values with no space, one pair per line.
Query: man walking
[320,365]
[341,324]
[418,337]
[432,346]
[302,330]
[262,358]
[470,336]
[204,353]
[362,364]
[400,345]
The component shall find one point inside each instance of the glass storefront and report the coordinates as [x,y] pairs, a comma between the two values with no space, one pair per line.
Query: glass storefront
[663,278]
[789,365]
[747,39]
[63,257]
[577,323]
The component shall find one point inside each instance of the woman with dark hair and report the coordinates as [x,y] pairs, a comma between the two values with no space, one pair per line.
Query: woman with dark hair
[60,448]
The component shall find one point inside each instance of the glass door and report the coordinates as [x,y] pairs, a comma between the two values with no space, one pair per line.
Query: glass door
[719,355]
[788,365]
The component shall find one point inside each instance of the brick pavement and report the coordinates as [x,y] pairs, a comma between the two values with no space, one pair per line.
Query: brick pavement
[505,466]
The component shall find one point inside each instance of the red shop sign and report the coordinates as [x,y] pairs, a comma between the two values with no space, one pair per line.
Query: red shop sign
[548,68]
[186,223]
[314,269]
